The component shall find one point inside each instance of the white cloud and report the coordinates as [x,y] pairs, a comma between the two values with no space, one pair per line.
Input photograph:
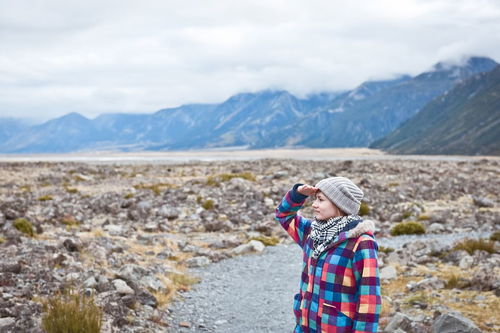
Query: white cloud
[129,56]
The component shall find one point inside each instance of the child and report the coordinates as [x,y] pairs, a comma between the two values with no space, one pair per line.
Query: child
[340,286]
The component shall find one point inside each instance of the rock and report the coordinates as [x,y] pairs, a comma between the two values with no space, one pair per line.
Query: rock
[466,262]
[169,212]
[454,322]
[436,228]
[71,245]
[198,262]
[151,227]
[146,298]
[129,301]
[122,287]
[432,283]
[252,246]
[140,275]
[483,202]
[388,273]
[114,230]
[399,321]
[72,277]
[91,282]
[11,267]
[6,324]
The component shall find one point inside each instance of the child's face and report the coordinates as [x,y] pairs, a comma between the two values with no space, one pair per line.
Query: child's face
[324,208]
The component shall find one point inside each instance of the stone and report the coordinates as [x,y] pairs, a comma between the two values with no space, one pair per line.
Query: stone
[151,227]
[432,283]
[436,228]
[11,267]
[91,282]
[453,322]
[122,288]
[140,275]
[146,298]
[388,273]
[483,202]
[7,323]
[198,262]
[71,245]
[252,246]
[185,324]
[466,262]
[399,321]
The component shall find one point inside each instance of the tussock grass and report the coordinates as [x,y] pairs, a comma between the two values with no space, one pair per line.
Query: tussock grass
[364,209]
[224,177]
[267,241]
[24,226]
[156,188]
[208,204]
[408,228]
[45,198]
[71,312]
[473,245]
[386,250]
[495,236]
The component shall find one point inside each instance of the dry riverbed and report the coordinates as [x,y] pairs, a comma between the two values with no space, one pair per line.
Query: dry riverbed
[134,234]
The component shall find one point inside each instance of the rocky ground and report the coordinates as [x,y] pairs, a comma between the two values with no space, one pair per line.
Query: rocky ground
[130,233]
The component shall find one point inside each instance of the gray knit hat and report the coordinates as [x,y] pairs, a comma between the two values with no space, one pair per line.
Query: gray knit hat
[342,192]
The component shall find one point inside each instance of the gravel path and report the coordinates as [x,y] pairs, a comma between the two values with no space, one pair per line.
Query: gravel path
[254,293]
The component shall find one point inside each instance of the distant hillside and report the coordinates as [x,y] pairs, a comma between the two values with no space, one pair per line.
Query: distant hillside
[265,119]
[10,127]
[465,120]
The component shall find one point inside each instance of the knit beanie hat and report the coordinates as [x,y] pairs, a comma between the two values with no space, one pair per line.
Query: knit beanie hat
[343,193]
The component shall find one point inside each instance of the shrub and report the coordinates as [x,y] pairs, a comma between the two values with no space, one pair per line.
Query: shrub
[224,177]
[472,245]
[156,188]
[457,282]
[24,226]
[71,312]
[2,239]
[208,204]
[408,228]
[70,221]
[71,190]
[45,198]
[364,209]
[495,236]
[386,250]
[129,196]
[423,217]
[267,241]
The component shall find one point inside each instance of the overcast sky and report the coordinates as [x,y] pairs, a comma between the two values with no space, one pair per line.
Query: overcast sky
[93,57]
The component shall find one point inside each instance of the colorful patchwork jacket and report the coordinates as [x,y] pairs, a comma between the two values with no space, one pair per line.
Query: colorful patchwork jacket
[339,291]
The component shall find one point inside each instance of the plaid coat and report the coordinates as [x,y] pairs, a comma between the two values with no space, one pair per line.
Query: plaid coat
[339,291]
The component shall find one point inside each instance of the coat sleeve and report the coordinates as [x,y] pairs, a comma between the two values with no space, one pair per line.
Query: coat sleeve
[366,273]
[295,225]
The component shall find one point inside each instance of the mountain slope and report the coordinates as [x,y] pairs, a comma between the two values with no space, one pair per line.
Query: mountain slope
[466,120]
[370,118]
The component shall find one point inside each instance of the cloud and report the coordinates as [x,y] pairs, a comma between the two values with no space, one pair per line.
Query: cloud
[95,57]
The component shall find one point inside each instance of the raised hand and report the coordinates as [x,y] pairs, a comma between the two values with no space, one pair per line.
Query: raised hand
[307,190]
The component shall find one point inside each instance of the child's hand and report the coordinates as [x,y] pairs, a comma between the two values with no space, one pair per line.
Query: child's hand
[307,190]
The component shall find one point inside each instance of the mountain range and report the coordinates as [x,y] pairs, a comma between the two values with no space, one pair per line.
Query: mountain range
[266,119]
[465,120]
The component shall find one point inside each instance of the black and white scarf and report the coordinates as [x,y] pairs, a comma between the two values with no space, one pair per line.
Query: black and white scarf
[324,232]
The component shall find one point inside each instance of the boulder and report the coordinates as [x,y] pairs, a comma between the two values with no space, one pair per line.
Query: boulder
[432,283]
[454,322]
[122,287]
[401,322]
[252,246]
[136,274]
[388,273]
[198,262]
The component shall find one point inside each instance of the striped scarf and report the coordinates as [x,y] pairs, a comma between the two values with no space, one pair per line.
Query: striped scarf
[324,232]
